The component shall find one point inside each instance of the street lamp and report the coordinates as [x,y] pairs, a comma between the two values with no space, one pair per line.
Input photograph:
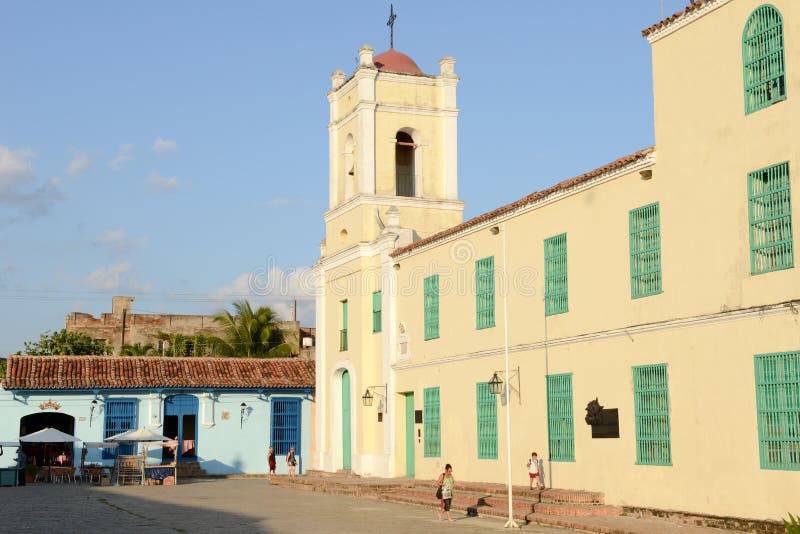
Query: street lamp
[368,397]
[498,383]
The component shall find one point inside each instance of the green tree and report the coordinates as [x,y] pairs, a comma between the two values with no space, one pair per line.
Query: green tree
[181,345]
[67,343]
[2,368]
[137,349]
[248,333]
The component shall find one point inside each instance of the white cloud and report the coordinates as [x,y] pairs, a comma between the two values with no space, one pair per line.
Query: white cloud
[162,183]
[20,190]
[114,277]
[165,145]
[80,163]
[123,156]
[119,240]
[277,288]
[276,202]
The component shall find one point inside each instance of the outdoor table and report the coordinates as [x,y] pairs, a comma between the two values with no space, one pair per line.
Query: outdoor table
[57,473]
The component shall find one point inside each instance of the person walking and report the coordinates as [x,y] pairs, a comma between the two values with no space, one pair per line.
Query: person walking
[446,482]
[271,461]
[291,462]
[533,471]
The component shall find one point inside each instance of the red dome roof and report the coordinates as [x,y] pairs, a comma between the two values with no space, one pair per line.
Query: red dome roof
[394,61]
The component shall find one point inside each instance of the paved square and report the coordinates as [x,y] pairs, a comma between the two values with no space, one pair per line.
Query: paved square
[232,505]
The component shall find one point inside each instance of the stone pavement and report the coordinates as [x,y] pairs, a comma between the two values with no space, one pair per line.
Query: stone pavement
[250,505]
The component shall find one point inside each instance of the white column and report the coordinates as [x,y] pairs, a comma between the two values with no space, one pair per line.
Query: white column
[448,81]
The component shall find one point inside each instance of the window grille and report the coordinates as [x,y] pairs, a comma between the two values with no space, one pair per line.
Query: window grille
[560,424]
[651,409]
[431,305]
[487,422]
[778,408]
[763,59]
[484,292]
[433,436]
[645,245]
[770,208]
[376,311]
[555,275]
[120,416]
[285,428]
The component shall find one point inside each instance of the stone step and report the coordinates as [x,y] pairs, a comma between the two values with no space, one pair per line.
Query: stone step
[478,500]
[324,474]
[552,495]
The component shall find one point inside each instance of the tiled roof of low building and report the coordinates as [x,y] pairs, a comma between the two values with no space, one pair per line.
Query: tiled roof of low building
[533,197]
[128,372]
[693,5]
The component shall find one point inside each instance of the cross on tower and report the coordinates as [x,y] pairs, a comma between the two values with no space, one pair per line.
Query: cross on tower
[390,23]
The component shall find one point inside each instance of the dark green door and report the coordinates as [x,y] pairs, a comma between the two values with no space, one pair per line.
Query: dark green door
[410,435]
[345,420]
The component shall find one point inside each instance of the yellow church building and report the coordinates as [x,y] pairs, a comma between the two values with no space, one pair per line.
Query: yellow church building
[649,309]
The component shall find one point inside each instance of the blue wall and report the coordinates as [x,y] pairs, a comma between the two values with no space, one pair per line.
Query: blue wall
[226,443]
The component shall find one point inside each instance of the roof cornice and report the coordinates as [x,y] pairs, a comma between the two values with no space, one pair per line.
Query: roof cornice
[673,23]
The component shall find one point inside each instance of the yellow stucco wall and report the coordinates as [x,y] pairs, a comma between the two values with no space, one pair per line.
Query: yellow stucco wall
[706,325]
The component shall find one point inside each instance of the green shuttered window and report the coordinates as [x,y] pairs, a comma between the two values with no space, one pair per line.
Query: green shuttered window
[770,219]
[484,293]
[651,408]
[555,275]
[487,422]
[433,429]
[431,305]
[645,243]
[560,426]
[763,59]
[376,311]
[343,331]
[778,406]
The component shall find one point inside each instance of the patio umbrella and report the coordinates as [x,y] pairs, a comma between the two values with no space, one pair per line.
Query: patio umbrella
[98,445]
[139,435]
[49,435]
[7,444]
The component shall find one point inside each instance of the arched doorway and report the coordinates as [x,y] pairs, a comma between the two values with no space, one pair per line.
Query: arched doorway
[44,453]
[180,423]
[346,451]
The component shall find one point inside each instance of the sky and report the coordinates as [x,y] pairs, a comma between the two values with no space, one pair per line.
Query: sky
[177,151]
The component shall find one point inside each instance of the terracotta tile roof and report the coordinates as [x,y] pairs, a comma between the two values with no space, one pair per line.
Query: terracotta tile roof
[533,197]
[110,372]
[694,4]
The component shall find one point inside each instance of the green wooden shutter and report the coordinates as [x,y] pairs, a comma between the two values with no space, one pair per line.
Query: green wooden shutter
[770,208]
[555,275]
[645,248]
[376,311]
[432,423]
[560,425]
[487,422]
[343,332]
[763,59]
[651,409]
[484,292]
[778,409]
[431,307]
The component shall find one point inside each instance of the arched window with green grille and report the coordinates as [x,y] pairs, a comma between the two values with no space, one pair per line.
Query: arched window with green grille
[763,59]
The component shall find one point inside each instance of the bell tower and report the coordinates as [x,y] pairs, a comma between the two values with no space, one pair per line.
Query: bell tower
[393,142]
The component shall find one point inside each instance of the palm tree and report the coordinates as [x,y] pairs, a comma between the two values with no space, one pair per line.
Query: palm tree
[137,349]
[248,333]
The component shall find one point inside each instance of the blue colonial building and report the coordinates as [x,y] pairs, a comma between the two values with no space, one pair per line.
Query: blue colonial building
[223,412]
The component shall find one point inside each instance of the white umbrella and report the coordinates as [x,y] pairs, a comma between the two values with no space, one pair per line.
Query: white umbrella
[49,435]
[142,434]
